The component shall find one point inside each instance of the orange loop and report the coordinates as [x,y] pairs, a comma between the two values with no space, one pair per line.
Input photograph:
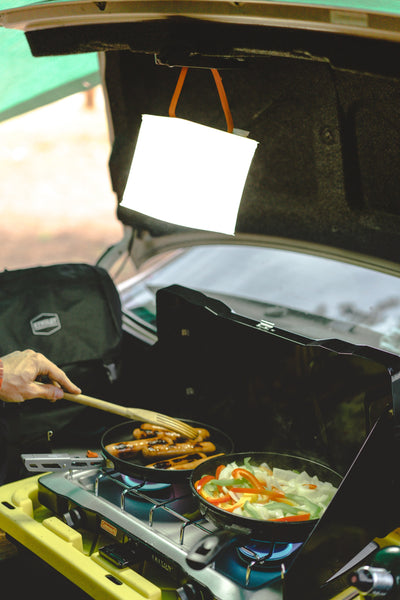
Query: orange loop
[224,100]
[221,93]
[177,92]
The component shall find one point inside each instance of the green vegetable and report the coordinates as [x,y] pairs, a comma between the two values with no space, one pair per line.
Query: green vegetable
[285,508]
[312,508]
[251,510]
[247,465]
[213,483]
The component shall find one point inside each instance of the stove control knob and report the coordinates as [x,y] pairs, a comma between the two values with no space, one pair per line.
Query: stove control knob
[189,592]
[74,518]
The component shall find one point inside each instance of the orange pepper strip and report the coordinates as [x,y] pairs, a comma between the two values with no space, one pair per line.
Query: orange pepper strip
[299,517]
[240,502]
[310,486]
[285,501]
[231,508]
[219,500]
[200,483]
[218,471]
[240,472]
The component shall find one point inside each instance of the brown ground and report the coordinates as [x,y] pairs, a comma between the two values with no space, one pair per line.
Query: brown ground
[56,201]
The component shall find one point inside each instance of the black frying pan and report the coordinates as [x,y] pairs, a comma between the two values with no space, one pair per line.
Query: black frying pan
[137,468]
[231,527]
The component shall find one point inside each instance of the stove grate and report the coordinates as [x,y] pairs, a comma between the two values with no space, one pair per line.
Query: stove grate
[179,495]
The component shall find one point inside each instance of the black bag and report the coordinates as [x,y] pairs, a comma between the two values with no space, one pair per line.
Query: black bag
[71,313]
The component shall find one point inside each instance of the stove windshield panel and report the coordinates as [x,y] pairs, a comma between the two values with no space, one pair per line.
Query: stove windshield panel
[267,389]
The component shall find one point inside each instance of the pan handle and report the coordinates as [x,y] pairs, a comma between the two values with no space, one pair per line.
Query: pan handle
[208,547]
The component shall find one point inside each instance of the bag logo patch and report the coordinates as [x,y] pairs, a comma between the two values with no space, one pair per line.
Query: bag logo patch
[45,324]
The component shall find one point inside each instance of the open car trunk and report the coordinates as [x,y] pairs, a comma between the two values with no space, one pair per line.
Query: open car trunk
[316,88]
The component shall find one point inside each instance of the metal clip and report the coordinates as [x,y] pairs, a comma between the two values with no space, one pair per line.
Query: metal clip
[265,325]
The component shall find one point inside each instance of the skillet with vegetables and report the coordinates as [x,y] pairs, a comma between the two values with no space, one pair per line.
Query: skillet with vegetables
[265,492]
[260,496]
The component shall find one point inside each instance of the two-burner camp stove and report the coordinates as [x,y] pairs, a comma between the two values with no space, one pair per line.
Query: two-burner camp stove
[136,530]
[120,538]
[126,539]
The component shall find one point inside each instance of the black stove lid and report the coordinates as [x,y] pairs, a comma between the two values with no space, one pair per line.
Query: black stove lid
[317,399]
[327,400]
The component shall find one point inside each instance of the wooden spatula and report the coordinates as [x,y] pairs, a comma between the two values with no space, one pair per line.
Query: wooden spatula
[139,414]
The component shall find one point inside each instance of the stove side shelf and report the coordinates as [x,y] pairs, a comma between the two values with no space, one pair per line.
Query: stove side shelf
[60,547]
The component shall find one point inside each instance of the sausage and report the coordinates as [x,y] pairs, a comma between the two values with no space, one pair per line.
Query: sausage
[140,434]
[152,427]
[166,451]
[187,461]
[126,449]
[173,463]
[203,434]
[130,448]
[149,430]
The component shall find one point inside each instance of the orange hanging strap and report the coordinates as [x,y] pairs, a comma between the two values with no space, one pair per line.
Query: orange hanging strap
[224,100]
[177,92]
[221,93]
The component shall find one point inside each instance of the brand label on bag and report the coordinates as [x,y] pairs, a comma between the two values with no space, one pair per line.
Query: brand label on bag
[45,324]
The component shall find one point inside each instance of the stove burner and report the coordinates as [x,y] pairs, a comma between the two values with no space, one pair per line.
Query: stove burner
[129,493]
[266,555]
[144,486]
[168,528]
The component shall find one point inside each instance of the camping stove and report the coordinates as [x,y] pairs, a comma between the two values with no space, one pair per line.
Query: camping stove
[119,538]
[158,524]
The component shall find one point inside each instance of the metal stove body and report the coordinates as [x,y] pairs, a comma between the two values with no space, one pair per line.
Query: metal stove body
[160,523]
[114,538]
[119,538]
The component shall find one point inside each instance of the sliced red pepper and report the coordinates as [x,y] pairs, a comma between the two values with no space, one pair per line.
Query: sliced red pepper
[199,486]
[219,500]
[240,472]
[299,517]
[218,471]
[200,483]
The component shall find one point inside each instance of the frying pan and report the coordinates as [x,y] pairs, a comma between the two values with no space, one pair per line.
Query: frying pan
[235,528]
[136,467]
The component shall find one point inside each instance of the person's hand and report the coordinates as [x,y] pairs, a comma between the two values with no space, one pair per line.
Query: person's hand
[20,372]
